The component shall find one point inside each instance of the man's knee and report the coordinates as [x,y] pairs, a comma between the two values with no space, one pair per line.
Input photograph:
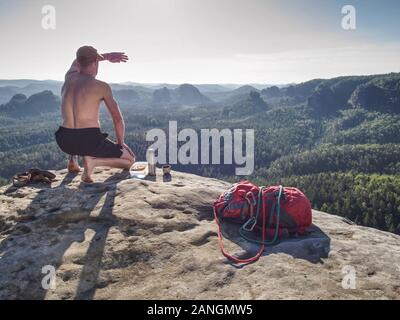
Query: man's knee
[127,156]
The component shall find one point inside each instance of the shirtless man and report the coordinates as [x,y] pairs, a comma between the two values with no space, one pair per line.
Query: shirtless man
[79,134]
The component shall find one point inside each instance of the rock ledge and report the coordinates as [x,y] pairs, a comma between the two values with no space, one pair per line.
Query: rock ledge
[132,239]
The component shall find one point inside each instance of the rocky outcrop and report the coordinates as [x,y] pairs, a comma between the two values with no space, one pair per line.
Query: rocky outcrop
[271,92]
[247,105]
[188,94]
[183,95]
[130,239]
[244,90]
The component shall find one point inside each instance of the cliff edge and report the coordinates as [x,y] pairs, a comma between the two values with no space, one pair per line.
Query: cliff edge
[133,239]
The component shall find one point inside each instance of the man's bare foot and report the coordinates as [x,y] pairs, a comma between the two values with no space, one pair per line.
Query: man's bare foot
[85,178]
[73,165]
[88,166]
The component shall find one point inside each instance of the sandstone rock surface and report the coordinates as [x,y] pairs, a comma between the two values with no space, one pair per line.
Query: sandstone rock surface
[130,239]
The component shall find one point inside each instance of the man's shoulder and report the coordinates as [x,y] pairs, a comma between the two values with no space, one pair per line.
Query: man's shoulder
[101,84]
[71,77]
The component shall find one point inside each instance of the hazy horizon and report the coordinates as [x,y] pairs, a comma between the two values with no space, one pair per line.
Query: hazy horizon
[160,83]
[203,42]
[128,82]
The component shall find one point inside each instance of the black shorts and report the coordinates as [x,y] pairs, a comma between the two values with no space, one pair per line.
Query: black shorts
[87,142]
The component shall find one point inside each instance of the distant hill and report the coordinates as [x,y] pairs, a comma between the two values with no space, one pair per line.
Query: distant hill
[190,95]
[327,96]
[203,87]
[129,95]
[209,88]
[232,96]
[36,87]
[332,95]
[324,96]
[145,91]
[291,94]
[152,86]
[162,96]
[126,95]
[39,103]
[137,88]
[381,94]
[244,90]
[185,94]
[248,105]
[29,87]
[8,88]
[20,83]
[271,92]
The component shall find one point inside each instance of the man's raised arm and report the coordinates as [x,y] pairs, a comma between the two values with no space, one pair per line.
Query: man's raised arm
[114,57]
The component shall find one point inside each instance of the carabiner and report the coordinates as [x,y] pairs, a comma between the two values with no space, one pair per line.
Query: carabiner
[252,220]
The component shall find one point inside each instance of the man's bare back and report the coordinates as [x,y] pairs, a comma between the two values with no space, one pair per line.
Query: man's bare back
[81,98]
[79,133]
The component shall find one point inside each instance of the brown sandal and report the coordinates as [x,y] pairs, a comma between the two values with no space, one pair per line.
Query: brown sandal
[21,179]
[37,175]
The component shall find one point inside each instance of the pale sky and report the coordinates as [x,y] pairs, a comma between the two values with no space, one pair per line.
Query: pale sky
[202,41]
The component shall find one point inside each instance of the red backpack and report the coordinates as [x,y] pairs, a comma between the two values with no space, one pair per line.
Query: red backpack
[277,211]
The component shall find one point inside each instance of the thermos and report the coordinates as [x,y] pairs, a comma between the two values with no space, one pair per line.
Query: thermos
[151,159]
